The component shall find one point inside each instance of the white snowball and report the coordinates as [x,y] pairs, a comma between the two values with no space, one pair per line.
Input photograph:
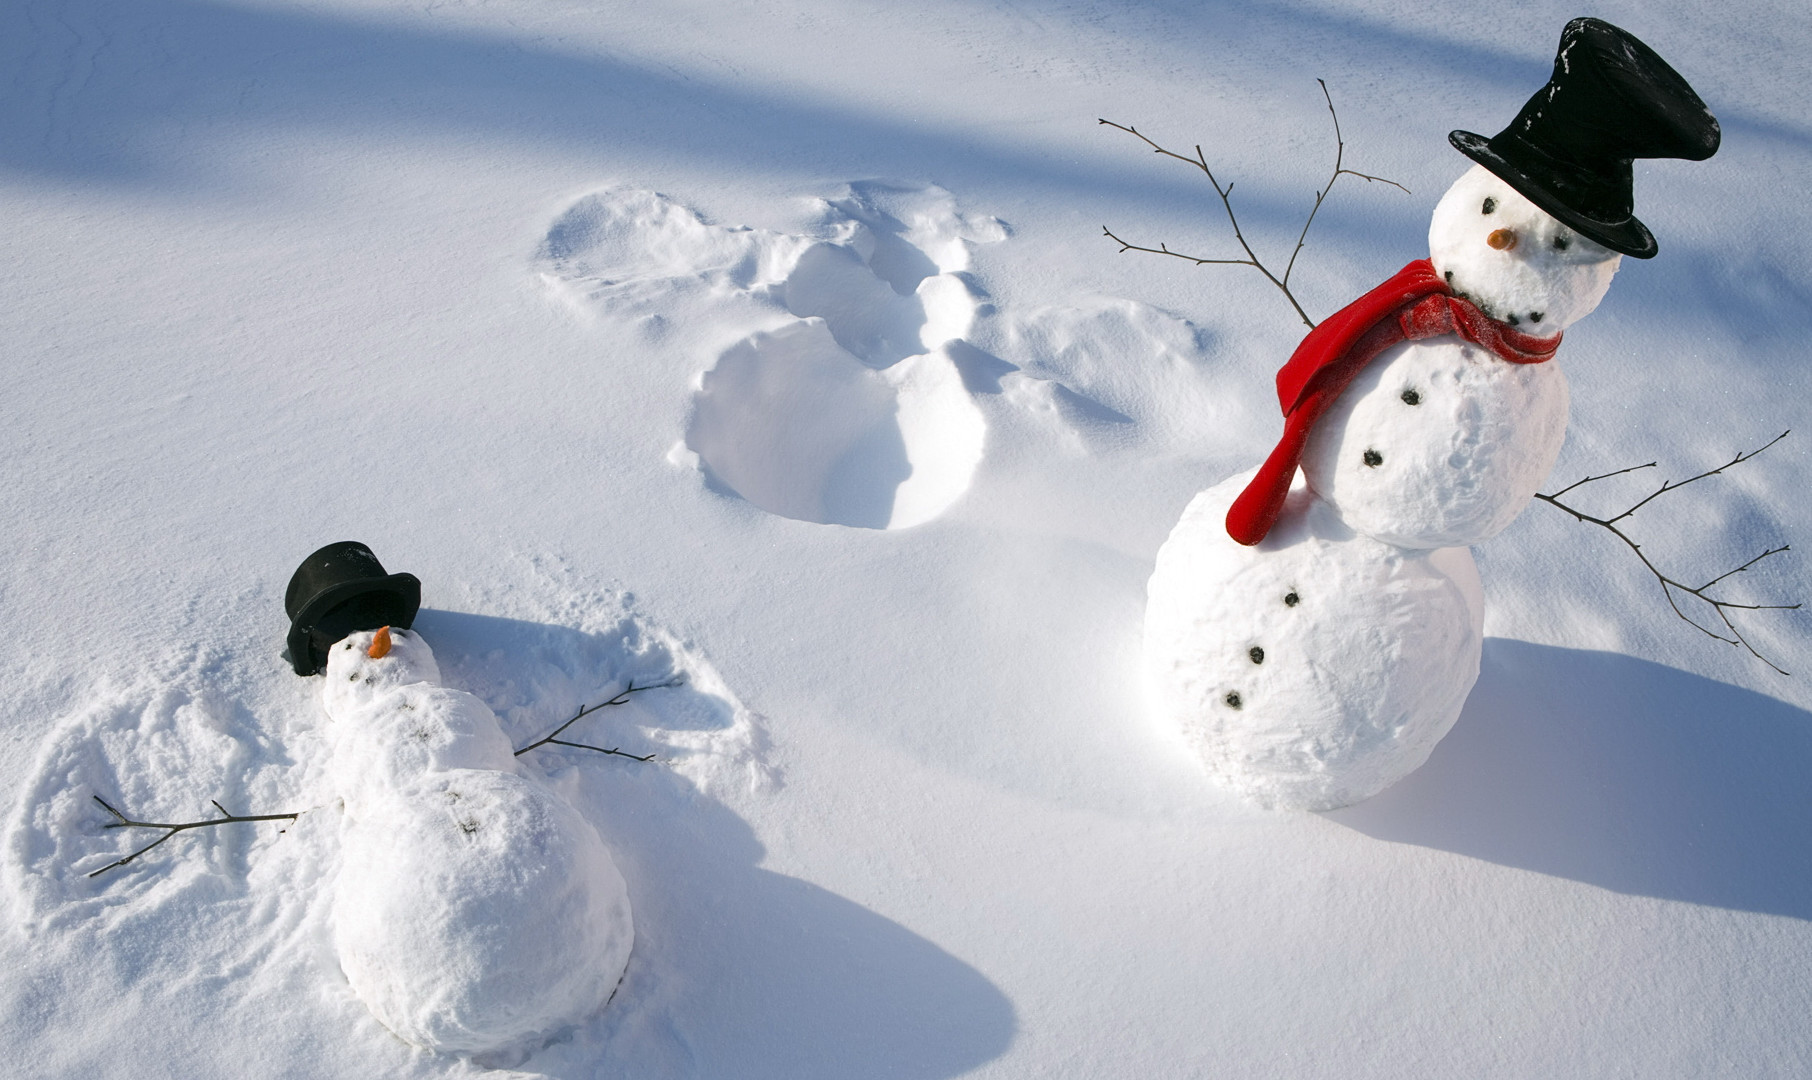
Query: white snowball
[1549,280]
[478,912]
[1326,700]
[1453,468]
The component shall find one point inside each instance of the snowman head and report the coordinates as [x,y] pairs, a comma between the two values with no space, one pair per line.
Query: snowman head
[1513,260]
[356,678]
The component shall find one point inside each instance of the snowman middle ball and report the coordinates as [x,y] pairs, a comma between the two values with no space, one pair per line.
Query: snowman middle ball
[1316,668]
[1438,443]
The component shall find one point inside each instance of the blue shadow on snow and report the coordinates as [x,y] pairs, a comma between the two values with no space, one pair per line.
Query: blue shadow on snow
[1620,773]
[133,94]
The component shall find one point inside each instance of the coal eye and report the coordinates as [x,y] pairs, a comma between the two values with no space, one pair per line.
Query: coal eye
[1490,205]
[1562,243]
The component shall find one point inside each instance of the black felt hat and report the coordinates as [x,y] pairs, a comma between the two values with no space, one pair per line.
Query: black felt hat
[1610,100]
[340,589]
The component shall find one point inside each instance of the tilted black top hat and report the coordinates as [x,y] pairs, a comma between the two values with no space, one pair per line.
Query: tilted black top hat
[1610,100]
[338,590]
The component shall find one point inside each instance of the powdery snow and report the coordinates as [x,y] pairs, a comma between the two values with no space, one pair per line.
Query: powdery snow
[777,347]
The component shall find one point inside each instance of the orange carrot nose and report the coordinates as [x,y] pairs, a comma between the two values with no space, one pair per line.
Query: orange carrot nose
[380,644]
[1502,239]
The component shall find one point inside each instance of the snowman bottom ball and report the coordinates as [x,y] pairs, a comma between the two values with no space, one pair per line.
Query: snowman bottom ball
[477,912]
[1316,668]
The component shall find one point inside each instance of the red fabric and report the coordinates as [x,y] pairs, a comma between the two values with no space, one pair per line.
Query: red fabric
[1414,304]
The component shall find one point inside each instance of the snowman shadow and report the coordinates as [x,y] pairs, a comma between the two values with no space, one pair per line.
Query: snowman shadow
[743,971]
[1619,773]
[737,970]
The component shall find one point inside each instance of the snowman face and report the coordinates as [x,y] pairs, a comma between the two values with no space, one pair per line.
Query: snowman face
[1513,260]
[355,678]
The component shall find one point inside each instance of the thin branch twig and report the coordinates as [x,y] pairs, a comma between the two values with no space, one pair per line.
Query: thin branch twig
[171,829]
[1200,161]
[1670,587]
[622,697]
[1600,476]
[1669,486]
[1339,171]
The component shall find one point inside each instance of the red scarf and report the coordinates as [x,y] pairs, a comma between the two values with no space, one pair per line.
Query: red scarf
[1414,304]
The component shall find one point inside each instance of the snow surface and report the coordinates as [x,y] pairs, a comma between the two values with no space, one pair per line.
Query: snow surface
[284,273]
[1318,667]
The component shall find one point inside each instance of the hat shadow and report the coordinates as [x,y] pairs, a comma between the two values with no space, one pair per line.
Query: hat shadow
[737,970]
[1620,773]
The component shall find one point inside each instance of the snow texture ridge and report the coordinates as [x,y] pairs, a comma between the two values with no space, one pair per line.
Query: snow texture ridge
[851,414]
[862,398]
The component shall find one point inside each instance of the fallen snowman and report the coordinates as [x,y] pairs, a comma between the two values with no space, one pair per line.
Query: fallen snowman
[476,912]
[1315,625]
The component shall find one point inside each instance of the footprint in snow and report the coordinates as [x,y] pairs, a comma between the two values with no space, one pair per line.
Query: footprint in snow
[852,413]
[868,367]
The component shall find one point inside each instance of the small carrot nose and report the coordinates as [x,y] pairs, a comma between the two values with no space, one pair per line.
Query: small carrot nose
[380,644]
[1502,239]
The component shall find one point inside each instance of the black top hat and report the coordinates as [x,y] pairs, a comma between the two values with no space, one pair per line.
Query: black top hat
[1610,99]
[338,590]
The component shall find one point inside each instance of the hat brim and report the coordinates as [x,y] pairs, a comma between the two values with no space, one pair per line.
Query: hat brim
[403,590]
[1627,237]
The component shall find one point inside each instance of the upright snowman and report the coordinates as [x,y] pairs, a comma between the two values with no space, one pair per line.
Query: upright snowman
[476,912]
[1314,626]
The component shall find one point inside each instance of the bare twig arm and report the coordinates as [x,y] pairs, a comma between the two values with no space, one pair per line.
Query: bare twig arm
[587,746]
[1162,249]
[1738,460]
[1339,171]
[1671,588]
[622,697]
[1200,161]
[121,821]
[1590,479]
